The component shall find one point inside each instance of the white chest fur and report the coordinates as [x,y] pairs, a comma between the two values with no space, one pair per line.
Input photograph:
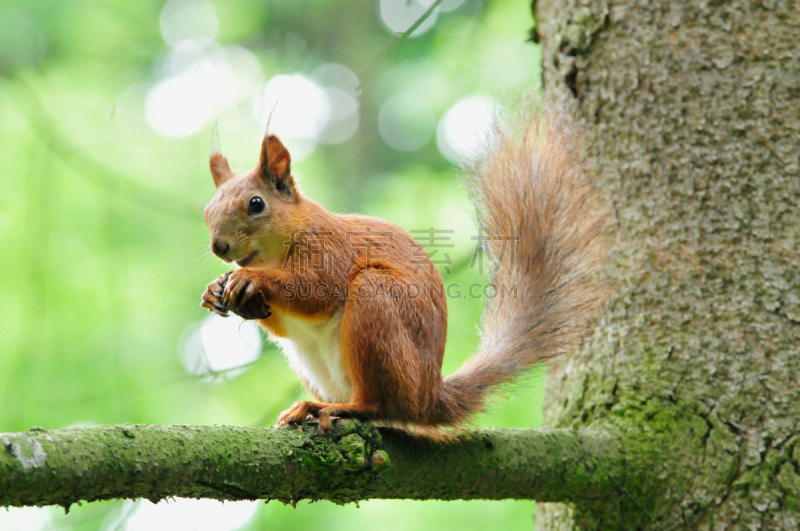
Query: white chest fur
[313,351]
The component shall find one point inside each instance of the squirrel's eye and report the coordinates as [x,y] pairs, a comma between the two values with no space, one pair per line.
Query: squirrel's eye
[256,206]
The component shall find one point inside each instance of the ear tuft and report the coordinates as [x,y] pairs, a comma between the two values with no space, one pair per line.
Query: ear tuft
[274,164]
[220,170]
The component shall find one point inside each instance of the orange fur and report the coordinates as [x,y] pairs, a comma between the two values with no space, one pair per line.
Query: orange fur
[387,294]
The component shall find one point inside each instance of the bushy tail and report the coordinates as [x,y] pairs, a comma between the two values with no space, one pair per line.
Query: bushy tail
[543,227]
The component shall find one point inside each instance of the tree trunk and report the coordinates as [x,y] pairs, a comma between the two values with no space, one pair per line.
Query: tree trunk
[693,110]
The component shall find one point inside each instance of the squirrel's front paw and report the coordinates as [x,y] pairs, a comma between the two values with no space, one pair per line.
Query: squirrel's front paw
[213,296]
[242,298]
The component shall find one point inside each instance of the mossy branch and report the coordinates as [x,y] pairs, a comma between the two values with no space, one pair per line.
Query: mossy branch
[352,462]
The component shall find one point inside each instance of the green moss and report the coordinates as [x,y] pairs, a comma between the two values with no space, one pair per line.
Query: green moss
[352,449]
[354,461]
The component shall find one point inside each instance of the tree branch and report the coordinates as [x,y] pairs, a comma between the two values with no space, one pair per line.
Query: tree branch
[352,462]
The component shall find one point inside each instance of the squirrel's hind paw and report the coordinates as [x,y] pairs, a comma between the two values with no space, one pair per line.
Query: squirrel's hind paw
[299,412]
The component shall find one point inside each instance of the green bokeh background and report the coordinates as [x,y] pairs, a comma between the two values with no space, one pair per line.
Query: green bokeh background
[102,240]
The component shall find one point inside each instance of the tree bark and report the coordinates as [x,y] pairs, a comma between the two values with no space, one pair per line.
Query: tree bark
[693,110]
[349,463]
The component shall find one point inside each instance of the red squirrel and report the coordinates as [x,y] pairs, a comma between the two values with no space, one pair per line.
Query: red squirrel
[360,309]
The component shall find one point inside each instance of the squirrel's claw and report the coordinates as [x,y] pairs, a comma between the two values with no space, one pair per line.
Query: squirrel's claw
[300,411]
[242,297]
[237,291]
[212,298]
[215,307]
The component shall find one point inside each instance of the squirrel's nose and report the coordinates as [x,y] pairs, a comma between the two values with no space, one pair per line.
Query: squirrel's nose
[220,247]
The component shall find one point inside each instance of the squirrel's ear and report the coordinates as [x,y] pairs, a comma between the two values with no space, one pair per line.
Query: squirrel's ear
[220,170]
[274,164]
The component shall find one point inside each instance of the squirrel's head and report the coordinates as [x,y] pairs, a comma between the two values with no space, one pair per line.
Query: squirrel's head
[249,213]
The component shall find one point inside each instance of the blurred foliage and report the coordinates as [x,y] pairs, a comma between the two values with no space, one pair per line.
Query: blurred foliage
[104,249]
